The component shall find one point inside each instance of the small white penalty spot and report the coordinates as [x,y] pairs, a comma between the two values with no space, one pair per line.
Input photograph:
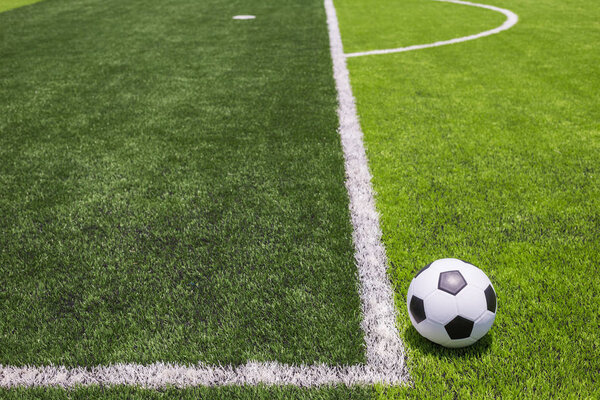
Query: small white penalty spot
[244,17]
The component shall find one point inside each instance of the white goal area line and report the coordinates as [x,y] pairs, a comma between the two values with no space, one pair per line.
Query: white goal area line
[159,375]
[384,350]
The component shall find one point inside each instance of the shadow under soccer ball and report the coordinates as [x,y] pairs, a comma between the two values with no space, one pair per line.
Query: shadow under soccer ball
[425,346]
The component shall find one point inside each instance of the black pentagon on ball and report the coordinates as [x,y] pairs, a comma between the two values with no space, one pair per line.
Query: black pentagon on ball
[423,269]
[490,298]
[459,328]
[417,309]
[451,282]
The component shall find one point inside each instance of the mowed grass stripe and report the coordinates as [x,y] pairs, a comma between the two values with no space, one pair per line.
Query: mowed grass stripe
[488,151]
[172,186]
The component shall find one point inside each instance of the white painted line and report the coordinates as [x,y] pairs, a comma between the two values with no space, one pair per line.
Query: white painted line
[384,350]
[511,20]
[160,375]
[244,17]
[383,345]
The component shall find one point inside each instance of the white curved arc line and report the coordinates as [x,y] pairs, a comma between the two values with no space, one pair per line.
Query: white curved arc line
[511,20]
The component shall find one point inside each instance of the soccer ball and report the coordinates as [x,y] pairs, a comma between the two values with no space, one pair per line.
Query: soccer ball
[451,303]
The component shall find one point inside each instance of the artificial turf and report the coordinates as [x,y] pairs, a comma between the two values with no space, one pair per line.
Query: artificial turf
[490,151]
[386,24]
[203,393]
[172,186]
[121,148]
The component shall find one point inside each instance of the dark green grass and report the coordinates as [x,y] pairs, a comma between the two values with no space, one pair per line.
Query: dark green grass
[225,393]
[490,151]
[171,186]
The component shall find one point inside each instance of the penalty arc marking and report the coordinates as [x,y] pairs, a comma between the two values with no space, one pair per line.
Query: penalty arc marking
[511,20]
[384,349]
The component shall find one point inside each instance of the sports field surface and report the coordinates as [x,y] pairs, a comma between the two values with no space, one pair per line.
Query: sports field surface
[174,189]
[6,5]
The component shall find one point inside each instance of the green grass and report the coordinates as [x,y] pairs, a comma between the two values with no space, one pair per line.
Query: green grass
[6,5]
[388,24]
[490,151]
[225,393]
[171,186]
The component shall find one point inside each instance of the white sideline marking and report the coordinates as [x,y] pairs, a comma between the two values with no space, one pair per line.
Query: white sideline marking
[511,20]
[384,351]
[384,347]
[159,375]
[244,17]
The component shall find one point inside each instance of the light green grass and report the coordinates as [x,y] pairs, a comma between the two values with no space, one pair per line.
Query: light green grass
[384,24]
[172,186]
[6,5]
[490,151]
